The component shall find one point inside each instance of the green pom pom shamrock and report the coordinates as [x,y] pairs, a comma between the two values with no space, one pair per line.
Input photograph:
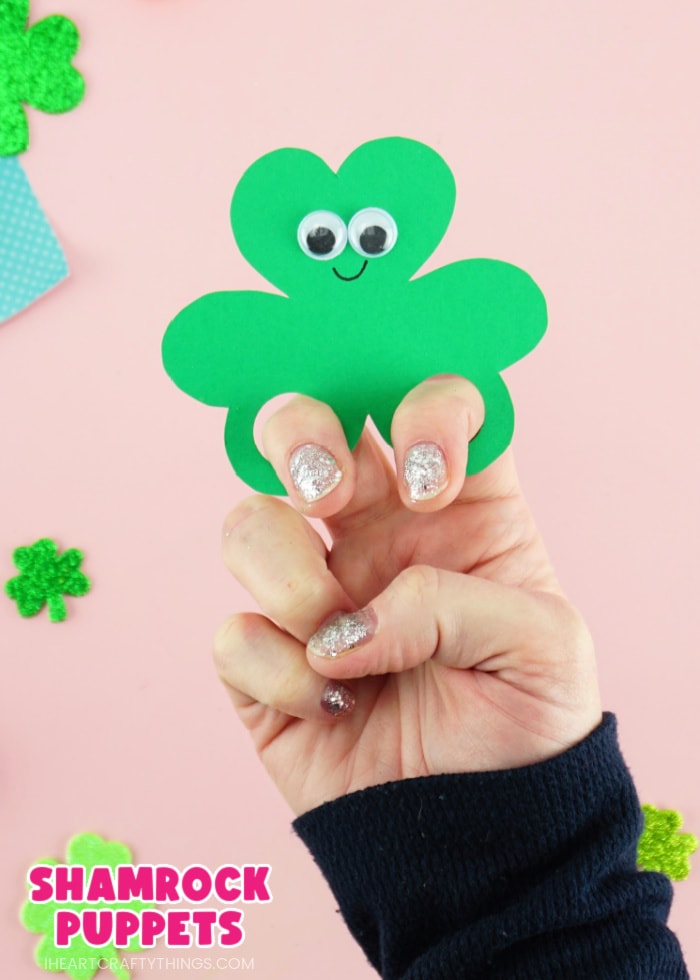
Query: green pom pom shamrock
[354,329]
[662,847]
[45,577]
[35,68]
[78,959]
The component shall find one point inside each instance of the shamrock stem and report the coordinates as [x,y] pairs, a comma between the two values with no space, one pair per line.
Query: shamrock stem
[57,608]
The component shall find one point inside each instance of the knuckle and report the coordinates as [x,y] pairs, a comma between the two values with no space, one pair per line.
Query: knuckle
[466,405]
[458,396]
[295,413]
[472,395]
[411,601]
[302,600]
[285,689]
[251,510]
[235,634]
[419,582]
[579,643]
[295,406]
[302,603]
[567,637]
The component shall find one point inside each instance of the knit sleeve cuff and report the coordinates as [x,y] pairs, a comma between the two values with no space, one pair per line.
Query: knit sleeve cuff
[441,871]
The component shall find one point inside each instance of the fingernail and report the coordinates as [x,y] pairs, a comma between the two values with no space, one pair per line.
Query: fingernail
[314,472]
[425,471]
[337,699]
[342,633]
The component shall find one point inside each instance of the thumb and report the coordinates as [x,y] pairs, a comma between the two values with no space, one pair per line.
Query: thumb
[427,613]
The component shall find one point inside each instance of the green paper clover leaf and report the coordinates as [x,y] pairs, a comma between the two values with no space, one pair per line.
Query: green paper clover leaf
[80,960]
[662,847]
[354,329]
[45,577]
[35,68]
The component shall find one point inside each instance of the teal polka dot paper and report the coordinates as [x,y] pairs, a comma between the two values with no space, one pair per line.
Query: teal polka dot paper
[31,259]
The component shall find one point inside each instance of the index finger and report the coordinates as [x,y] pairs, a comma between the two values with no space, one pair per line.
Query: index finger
[281,560]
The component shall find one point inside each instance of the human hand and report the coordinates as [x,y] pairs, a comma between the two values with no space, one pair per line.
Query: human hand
[465,654]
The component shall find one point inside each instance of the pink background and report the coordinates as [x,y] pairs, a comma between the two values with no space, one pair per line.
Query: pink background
[572,132]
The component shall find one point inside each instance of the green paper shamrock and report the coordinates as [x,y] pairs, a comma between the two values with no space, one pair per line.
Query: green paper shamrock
[662,847]
[45,577]
[78,959]
[354,329]
[35,69]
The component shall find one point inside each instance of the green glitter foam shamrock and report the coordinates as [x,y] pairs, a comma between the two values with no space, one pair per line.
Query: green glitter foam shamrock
[78,959]
[35,68]
[662,847]
[357,328]
[45,577]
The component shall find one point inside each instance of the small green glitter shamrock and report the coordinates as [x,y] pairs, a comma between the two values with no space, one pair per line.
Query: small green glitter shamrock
[662,847]
[80,960]
[45,577]
[35,68]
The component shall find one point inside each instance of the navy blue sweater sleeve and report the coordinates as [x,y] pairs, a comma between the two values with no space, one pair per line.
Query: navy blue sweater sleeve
[525,873]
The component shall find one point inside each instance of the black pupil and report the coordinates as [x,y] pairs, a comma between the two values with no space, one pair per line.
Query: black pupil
[373,239]
[320,240]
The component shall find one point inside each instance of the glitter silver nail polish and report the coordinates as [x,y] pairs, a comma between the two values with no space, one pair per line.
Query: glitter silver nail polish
[425,471]
[343,633]
[314,472]
[337,699]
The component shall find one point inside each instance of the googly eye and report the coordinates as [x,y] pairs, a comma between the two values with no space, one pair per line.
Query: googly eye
[322,235]
[372,232]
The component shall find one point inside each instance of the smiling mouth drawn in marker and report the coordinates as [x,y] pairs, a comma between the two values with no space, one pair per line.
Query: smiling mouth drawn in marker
[350,278]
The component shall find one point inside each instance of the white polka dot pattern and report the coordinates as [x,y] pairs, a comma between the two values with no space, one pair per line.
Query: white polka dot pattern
[31,259]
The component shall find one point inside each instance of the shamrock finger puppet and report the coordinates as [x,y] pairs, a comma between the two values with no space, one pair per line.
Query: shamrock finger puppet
[353,329]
